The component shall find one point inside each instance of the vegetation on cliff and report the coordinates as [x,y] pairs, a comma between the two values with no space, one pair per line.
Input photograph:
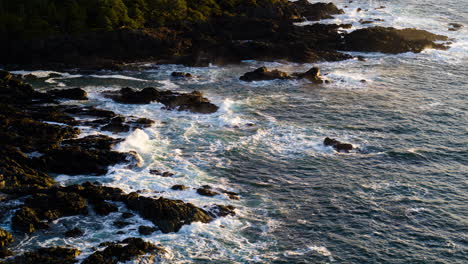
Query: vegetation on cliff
[32,18]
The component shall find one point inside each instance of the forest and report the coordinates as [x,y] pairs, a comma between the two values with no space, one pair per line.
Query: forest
[36,18]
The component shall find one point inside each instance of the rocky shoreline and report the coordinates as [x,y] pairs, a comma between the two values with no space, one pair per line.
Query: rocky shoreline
[40,135]
[272,36]
[34,122]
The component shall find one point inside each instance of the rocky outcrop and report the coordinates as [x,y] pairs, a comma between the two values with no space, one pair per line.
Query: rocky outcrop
[124,251]
[337,145]
[263,74]
[168,215]
[316,11]
[181,74]
[73,94]
[391,40]
[193,102]
[75,232]
[53,255]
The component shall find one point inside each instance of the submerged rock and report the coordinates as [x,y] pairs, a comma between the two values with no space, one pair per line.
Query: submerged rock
[337,145]
[124,251]
[455,26]
[206,191]
[193,102]
[391,40]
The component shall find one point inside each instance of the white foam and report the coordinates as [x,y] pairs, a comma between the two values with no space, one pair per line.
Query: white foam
[116,76]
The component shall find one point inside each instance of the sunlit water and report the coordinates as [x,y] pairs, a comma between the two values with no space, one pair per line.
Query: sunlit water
[403,199]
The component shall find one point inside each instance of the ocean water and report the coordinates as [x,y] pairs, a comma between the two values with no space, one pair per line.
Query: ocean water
[402,199]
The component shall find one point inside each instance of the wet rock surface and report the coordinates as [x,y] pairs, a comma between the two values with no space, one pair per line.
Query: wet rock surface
[264,74]
[391,40]
[52,255]
[123,251]
[193,102]
[337,145]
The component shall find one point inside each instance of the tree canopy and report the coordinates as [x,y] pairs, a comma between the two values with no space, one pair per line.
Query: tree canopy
[32,18]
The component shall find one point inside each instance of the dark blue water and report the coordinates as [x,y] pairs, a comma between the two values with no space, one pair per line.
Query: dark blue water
[402,199]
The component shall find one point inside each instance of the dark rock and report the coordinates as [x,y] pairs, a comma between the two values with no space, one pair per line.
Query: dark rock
[105,208]
[194,101]
[53,255]
[361,58]
[391,40]
[100,142]
[80,161]
[337,145]
[231,195]
[127,215]
[181,74]
[168,215]
[43,207]
[116,125]
[146,230]
[206,192]
[222,210]
[316,11]
[455,26]
[121,224]
[75,232]
[89,112]
[124,251]
[73,94]
[263,74]
[179,187]
[54,75]
[312,75]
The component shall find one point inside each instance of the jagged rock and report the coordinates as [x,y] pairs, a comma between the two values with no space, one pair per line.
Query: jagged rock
[146,230]
[337,145]
[53,255]
[73,93]
[263,74]
[75,232]
[222,210]
[168,215]
[162,174]
[194,101]
[116,125]
[391,40]
[124,251]
[44,207]
[182,74]
[101,142]
[312,75]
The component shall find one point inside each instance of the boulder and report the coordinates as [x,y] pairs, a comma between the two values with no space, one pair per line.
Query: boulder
[179,187]
[337,145]
[73,93]
[206,191]
[104,208]
[391,40]
[124,251]
[222,210]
